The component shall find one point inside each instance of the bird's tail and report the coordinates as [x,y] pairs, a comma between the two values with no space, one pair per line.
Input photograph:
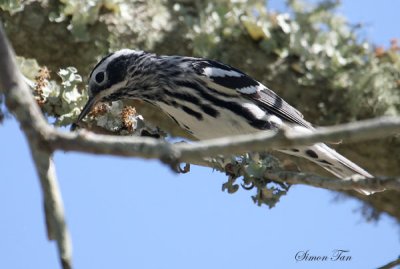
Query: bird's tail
[332,161]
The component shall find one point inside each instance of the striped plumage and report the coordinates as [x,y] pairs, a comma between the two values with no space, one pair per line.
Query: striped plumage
[208,99]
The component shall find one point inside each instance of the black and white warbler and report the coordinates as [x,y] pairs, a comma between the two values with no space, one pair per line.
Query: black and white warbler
[208,99]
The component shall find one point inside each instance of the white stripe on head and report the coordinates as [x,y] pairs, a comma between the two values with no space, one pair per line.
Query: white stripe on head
[102,65]
[116,54]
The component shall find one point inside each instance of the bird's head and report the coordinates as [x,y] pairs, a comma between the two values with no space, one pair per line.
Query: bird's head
[108,79]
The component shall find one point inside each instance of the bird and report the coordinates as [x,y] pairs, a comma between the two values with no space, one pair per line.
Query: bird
[208,99]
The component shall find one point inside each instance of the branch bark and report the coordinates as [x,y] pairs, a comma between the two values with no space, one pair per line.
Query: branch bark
[150,148]
[392,264]
[19,100]
[53,205]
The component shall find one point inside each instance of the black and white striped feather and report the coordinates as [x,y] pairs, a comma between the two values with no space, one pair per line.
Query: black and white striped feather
[208,99]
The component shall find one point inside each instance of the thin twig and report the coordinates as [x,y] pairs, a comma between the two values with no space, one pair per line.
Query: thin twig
[391,264]
[53,205]
[20,102]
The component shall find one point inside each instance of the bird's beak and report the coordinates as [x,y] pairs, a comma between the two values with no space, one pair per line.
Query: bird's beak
[86,109]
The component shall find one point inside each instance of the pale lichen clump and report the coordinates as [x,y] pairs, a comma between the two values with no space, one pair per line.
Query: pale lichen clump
[62,100]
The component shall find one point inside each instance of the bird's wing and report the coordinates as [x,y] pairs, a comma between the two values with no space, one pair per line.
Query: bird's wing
[227,79]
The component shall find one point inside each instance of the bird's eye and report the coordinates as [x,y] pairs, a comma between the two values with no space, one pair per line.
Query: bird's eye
[100,77]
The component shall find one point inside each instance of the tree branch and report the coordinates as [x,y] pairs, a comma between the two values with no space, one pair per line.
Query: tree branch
[53,205]
[19,100]
[349,132]
[143,147]
[194,153]
[391,264]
